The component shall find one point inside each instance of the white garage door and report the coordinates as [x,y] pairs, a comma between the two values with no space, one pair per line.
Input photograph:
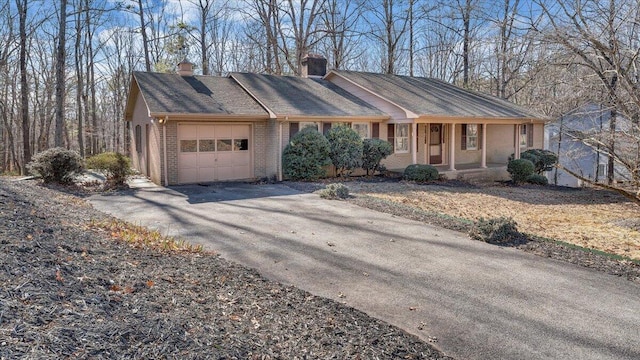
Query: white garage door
[213,152]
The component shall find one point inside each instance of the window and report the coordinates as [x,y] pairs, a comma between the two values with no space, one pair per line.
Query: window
[207,145]
[601,170]
[523,136]
[188,146]
[362,129]
[138,136]
[399,136]
[306,124]
[223,144]
[470,132]
[240,144]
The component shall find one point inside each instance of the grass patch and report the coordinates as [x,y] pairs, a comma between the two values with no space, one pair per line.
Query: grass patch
[582,248]
[143,238]
[413,213]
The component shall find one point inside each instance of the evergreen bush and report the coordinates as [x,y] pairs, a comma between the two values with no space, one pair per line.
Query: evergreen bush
[373,152]
[520,170]
[345,149]
[421,173]
[538,179]
[57,165]
[306,155]
[115,166]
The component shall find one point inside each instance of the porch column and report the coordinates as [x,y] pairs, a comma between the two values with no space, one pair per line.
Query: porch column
[516,151]
[483,160]
[414,143]
[452,147]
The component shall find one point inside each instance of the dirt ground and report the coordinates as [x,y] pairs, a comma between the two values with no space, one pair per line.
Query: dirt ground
[590,218]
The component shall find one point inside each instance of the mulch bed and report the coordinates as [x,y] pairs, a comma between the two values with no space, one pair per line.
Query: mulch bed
[542,247]
[71,291]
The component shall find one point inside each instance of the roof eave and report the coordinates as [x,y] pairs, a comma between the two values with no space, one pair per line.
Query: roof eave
[328,118]
[208,116]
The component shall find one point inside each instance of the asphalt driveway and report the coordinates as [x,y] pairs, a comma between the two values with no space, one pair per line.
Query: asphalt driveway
[472,300]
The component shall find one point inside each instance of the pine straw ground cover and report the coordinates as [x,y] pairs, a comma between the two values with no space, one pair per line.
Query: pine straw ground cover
[78,284]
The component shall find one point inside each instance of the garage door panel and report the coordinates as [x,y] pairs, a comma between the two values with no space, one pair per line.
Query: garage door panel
[214,152]
[241,131]
[187,131]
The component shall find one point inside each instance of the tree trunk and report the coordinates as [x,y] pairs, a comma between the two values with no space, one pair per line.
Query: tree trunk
[145,40]
[60,74]
[24,85]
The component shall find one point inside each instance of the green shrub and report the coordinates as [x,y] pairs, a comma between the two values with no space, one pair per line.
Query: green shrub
[57,165]
[306,155]
[373,152]
[538,179]
[345,149]
[543,160]
[520,170]
[421,173]
[115,166]
[334,191]
[496,230]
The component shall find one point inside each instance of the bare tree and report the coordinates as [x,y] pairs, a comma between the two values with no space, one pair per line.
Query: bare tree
[341,20]
[389,24]
[603,39]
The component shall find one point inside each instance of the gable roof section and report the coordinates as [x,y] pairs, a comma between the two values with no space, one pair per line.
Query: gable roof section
[430,97]
[167,94]
[305,97]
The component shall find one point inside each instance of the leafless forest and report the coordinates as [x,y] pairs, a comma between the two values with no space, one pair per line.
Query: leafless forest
[65,65]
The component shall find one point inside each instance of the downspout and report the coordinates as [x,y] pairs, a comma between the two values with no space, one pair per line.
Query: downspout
[164,149]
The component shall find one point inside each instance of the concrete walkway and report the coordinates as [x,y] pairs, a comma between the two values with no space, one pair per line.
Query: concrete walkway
[479,301]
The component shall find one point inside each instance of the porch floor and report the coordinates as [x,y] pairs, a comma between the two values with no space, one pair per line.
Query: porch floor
[493,171]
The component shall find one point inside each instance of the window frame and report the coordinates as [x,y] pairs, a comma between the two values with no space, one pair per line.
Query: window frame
[401,139]
[368,129]
[524,138]
[469,137]
[138,138]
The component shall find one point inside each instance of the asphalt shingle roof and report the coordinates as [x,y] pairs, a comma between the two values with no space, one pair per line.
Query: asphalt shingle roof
[425,96]
[173,93]
[288,95]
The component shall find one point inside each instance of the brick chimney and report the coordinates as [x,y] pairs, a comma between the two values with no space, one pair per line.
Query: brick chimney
[185,68]
[314,65]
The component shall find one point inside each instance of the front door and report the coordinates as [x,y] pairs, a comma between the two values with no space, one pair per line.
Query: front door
[435,144]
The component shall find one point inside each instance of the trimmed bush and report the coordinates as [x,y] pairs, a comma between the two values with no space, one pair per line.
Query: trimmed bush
[57,165]
[421,173]
[373,152]
[543,160]
[496,230]
[345,149]
[538,179]
[520,170]
[334,191]
[115,166]
[306,155]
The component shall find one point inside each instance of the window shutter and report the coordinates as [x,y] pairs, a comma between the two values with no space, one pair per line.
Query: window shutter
[529,135]
[375,130]
[480,130]
[463,141]
[391,132]
[325,127]
[293,129]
